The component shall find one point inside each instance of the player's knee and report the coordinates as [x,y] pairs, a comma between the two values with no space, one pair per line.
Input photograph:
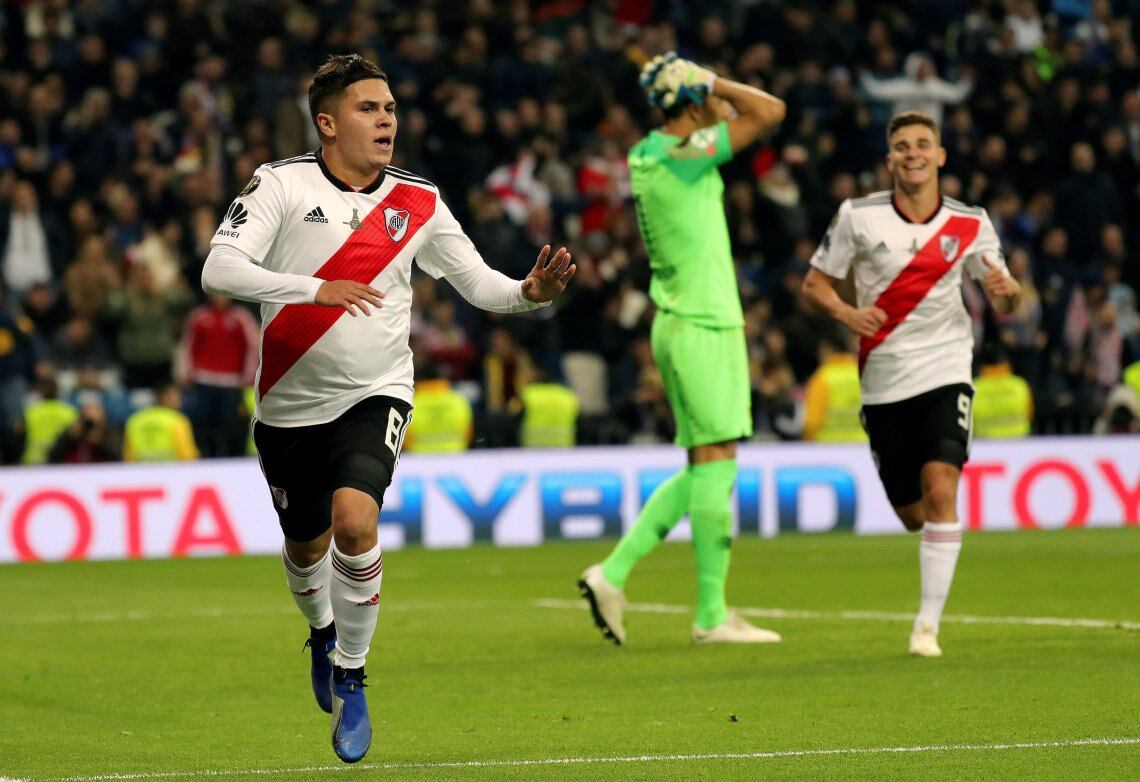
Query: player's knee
[355,539]
[940,494]
[354,518]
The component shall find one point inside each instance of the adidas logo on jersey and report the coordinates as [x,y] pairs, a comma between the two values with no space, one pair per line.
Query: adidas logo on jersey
[881,247]
[316,216]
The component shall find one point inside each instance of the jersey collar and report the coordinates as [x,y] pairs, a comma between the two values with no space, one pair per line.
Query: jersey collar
[899,212]
[371,187]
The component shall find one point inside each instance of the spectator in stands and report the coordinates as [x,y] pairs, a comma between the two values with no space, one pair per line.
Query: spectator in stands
[92,387]
[644,412]
[45,312]
[832,399]
[516,187]
[1086,201]
[1121,413]
[44,421]
[550,414]
[585,333]
[147,318]
[16,359]
[88,440]
[1020,332]
[26,258]
[447,343]
[443,419]
[506,371]
[1003,402]
[919,90]
[78,345]
[160,433]
[91,279]
[217,359]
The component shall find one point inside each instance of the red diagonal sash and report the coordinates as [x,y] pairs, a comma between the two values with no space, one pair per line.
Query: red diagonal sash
[917,278]
[363,256]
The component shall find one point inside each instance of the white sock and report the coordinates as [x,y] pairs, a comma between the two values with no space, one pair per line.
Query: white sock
[937,556]
[355,603]
[310,588]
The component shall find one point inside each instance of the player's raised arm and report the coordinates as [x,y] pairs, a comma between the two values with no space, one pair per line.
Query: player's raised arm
[682,88]
[757,112]
[548,278]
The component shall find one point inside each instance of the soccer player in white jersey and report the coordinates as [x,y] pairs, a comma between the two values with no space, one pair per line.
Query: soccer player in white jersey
[907,250]
[325,242]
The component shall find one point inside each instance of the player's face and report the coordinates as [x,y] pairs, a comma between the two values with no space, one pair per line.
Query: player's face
[915,156]
[364,123]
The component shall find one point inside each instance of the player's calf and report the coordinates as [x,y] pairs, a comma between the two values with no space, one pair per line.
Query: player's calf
[912,516]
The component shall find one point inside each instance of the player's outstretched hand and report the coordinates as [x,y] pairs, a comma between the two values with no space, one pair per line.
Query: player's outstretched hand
[350,295]
[548,279]
[998,282]
[866,321]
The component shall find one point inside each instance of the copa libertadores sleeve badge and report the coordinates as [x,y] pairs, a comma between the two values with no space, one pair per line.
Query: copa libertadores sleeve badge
[250,186]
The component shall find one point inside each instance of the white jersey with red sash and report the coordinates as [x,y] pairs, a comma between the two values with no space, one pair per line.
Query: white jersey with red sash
[295,217]
[912,271]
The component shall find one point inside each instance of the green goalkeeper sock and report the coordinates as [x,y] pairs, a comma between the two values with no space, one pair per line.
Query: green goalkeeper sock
[665,507]
[712,536]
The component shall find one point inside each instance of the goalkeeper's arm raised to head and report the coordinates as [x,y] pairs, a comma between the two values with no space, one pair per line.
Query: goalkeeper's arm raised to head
[757,112]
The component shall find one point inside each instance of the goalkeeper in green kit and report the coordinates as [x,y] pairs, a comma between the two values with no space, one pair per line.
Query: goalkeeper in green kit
[698,333]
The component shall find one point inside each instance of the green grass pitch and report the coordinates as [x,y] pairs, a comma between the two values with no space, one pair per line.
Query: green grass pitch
[192,669]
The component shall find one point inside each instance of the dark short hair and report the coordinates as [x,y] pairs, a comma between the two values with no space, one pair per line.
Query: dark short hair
[911,118]
[678,108]
[335,76]
[993,353]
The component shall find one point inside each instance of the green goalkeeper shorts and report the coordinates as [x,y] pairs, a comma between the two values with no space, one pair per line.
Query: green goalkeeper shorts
[705,372]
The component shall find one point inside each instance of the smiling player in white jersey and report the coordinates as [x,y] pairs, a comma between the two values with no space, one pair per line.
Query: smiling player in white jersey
[321,240]
[907,251]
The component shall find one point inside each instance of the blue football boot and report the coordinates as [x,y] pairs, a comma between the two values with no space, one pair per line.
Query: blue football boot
[321,669]
[351,727]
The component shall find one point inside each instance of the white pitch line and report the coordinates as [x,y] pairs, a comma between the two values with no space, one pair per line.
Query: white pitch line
[859,616]
[217,612]
[576,761]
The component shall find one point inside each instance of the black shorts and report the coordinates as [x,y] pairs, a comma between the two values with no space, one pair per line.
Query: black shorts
[304,465]
[935,426]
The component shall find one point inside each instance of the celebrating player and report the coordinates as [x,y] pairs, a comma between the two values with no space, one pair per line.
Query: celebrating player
[907,251]
[314,238]
[698,334]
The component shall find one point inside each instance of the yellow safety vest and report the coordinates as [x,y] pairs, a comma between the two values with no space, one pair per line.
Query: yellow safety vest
[1003,404]
[550,416]
[441,422]
[834,400]
[1132,378]
[45,422]
[159,434]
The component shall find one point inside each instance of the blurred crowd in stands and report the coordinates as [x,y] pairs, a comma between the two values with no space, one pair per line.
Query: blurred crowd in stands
[127,126]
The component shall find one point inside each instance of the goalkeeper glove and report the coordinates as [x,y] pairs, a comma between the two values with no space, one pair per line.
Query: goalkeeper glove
[668,80]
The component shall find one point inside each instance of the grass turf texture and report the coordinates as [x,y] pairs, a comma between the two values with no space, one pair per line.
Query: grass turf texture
[195,665]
